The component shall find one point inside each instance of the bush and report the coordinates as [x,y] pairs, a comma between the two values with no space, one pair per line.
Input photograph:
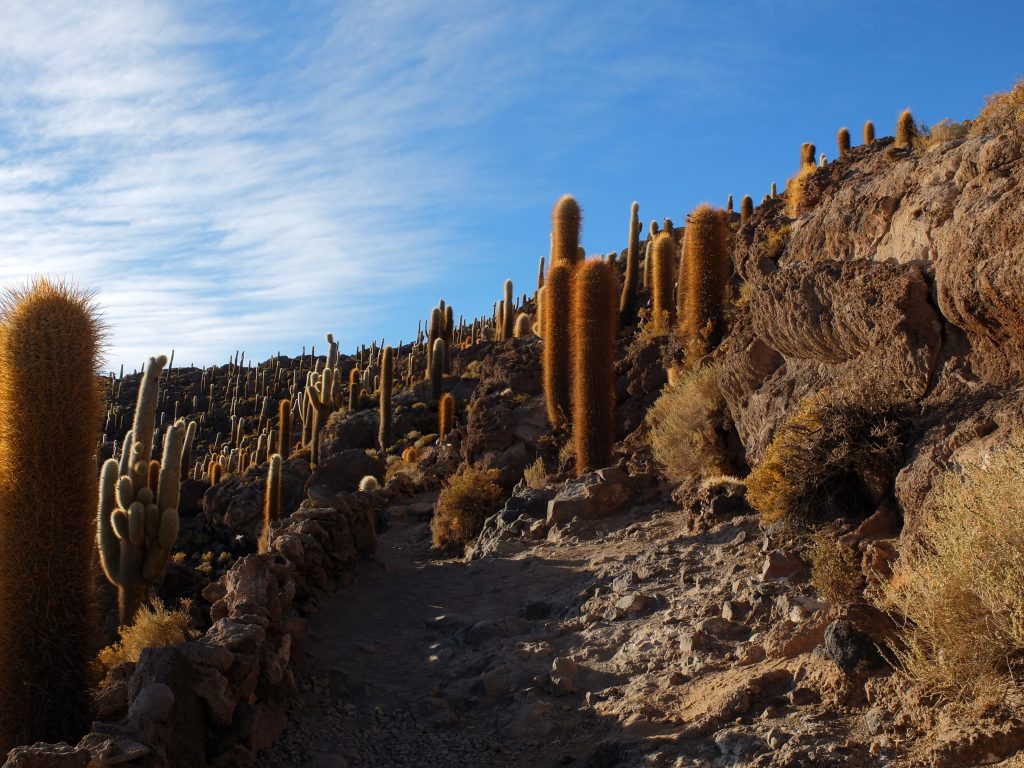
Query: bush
[684,427]
[960,584]
[465,502]
[536,475]
[1002,112]
[834,572]
[153,626]
[816,462]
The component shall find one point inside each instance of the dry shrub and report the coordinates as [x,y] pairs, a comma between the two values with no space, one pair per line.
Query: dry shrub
[834,572]
[464,504]
[154,626]
[536,475]
[796,189]
[653,325]
[776,241]
[684,427]
[1002,112]
[814,464]
[960,584]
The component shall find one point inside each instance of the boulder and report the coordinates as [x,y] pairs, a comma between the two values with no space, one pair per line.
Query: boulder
[593,495]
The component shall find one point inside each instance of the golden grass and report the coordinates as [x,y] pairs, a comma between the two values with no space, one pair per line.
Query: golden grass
[960,586]
[535,475]
[153,626]
[683,427]
[1002,111]
[834,572]
[464,504]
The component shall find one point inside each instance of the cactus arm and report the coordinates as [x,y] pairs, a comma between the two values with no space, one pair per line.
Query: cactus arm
[106,537]
[169,482]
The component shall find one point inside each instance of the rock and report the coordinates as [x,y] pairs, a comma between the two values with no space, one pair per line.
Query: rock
[631,604]
[154,703]
[780,564]
[776,737]
[691,640]
[564,672]
[875,719]
[845,645]
[47,756]
[592,495]
[342,470]
[738,743]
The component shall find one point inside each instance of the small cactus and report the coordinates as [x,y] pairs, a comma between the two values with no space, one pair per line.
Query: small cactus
[446,415]
[843,140]
[906,130]
[271,501]
[540,274]
[807,152]
[869,132]
[523,327]
[557,343]
[565,231]
[775,191]
[594,326]
[746,210]
[369,484]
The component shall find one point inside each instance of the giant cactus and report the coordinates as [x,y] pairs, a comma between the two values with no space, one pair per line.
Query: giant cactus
[387,380]
[50,409]
[594,319]
[557,342]
[565,231]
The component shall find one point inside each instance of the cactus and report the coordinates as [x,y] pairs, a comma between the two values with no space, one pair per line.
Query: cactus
[353,389]
[706,264]
[627,299]
[284,427]
[271,501]
[436,365]
[662,279]
[508,314]
[822,160]
[523,327]
[906,130]
[565,231]
[594,326]
[869,132]
[332,351]
[557,343]
[652,233]
[387,380]
[746,210]
[540,274]
[449,338]
[807,152]
[728,204]
[775,191]
[435,331]
[843,140]
[51,408]
[446,415]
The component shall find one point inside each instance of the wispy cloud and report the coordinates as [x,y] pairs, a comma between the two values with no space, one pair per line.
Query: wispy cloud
[251,188]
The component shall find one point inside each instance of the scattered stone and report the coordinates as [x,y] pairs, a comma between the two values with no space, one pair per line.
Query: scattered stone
[779,564]
[564,673]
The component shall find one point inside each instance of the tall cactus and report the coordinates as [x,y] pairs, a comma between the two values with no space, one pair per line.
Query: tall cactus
[436,369]
[353,389]
[843,140]
[435,330]
[746,210]
[557,342]
[50,409]
[284,427]
[565,231]
[662,278]
[271,501]
[807,152]
[387,381]
[446,415]
[540,274]
[906,130]
[869,132]
[508,313]
[594,324]
[627,300]
[705,261]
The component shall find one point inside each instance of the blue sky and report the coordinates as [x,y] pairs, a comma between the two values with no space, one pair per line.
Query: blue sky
[253,174]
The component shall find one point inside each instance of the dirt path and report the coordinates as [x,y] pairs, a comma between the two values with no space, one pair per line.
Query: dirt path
[397,668]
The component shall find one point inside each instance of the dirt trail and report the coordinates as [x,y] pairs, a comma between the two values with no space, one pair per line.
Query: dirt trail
[390,671]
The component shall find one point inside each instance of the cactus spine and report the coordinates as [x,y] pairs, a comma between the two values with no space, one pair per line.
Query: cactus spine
[271,501]
[387,380]
[594,326]
[705,261]
[557,342]
[662,300]
[906,129]
[446,415]
[565,231]
[51,407]
[508,313]
[843,140]
[746,210]
[869,132]
[627,300]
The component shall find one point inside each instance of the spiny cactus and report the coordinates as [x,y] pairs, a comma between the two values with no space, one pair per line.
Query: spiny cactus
[538,325]
[284,427]
[449,337]
[746,210]
[387,379]
[652,233]
[705,260]
[775,191]
[663,277]
[843,140]
[51,407]
[594,325]
[565,231]
[807,151]
[906,129]
[557,343]
[435,331]
[271,501]
[508,313]
[524,327]
[353,389]
[540,274]
[627,299]
[869,132]
[446,415]
[728,204]
[436,366]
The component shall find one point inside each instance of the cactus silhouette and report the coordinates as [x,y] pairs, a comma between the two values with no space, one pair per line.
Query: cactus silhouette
[508,313]
[51,409]
[627,300]
[557,342]
[446,415]
[705,261]
[387,380]
[565,231]
[843,140]
[594,326]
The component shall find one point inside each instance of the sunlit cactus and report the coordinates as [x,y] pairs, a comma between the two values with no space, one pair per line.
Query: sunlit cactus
[906,130]
[869,132]
[557,343]
[446,415]
[843,140]
[271,501]
[746,210]
[565,231]
[627,299]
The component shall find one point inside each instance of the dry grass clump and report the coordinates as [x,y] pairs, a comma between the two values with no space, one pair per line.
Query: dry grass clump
[796,189]
[684,425]
[154,626]
[960,586]
[464,504]
[1002,112]
[536,475]
[834,572]
[814,463]
[777,239]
